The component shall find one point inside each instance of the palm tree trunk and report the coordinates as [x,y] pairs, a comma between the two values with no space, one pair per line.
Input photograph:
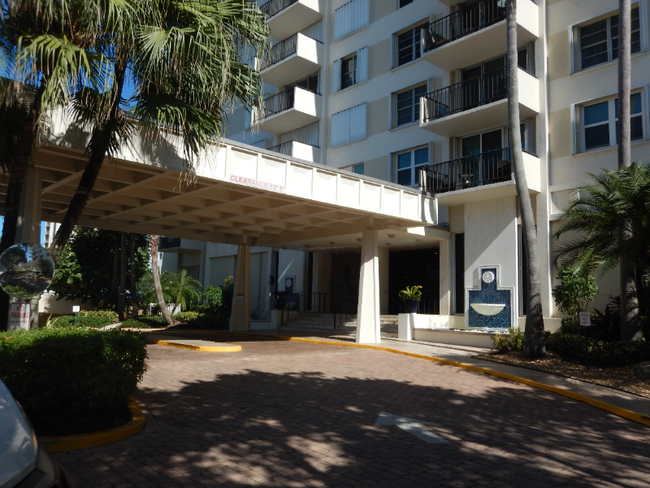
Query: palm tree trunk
[156,280]
[132,284]
[98,149]
[534,333]
[629,304]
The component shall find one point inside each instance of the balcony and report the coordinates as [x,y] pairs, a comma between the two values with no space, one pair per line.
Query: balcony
[287,17]
[292,59]
[178,245]
[477,103]
[299,150]
[476,32]
[478,177]
[288,110]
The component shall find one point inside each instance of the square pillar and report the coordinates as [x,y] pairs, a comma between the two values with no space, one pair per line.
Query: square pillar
[240,319]
[368,319]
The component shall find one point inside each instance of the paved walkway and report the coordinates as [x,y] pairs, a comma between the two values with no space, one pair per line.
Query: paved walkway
[295,414]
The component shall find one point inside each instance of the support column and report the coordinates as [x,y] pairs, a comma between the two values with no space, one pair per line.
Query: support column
[29,220]
[368,320]
[446,275]
[240,319]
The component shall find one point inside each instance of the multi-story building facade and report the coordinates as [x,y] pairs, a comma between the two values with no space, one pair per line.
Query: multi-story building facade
[414,92]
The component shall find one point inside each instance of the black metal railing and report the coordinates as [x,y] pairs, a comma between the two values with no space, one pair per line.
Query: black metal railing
[168,242]
[315,302]
[474,92]
[280,51]
[467,172]
[286,148]
[469,19]
[274,6]
[278,103]
[344,309]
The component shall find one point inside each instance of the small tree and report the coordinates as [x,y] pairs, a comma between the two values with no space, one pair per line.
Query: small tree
[182,288]
[573,293]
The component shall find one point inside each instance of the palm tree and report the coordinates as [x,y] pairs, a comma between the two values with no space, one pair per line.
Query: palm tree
[629,303]
[182,288]
[153,241]
[616,200]
[186,61]
[534,332]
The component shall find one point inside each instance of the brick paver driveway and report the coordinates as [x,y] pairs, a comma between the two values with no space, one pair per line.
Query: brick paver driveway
[295,414]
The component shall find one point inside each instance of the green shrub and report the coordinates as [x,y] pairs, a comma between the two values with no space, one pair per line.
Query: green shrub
[109,314]
[148,322]
[514,341]
[186,316]
[69,321]
[63,375]
[599,353]
[573,294]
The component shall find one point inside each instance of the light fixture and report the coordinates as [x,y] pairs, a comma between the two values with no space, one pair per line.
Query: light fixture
[391,236]
[332,242]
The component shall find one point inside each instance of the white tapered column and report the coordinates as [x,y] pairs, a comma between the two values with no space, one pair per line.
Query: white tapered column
[240,318]
[368,320]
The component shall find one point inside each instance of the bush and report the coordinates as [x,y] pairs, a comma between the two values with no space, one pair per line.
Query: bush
[109,314]
[573,294]
[599,353]
[69,321]
[152,321]
[61,376]
[514,341]
[186,316]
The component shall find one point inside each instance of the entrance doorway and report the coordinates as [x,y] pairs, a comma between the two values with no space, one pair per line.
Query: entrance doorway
[416,267]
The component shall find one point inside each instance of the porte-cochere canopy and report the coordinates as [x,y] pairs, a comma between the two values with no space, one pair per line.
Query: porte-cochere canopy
[238,194]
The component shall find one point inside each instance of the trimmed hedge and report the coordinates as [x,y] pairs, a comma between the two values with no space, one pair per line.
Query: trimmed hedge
[600,353]
[63,375]
[68,321]
[108,314]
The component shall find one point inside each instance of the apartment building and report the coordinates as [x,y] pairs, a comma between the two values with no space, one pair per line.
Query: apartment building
[413,92]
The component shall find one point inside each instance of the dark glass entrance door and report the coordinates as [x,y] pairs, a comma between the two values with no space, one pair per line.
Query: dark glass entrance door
[416,267]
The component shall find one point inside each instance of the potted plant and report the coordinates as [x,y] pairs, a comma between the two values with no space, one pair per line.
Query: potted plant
[411,295]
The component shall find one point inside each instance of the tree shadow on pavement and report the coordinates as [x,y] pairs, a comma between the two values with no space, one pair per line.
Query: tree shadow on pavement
[313,425]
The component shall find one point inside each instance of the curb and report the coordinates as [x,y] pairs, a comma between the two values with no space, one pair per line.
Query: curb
[83,441]
[195,347]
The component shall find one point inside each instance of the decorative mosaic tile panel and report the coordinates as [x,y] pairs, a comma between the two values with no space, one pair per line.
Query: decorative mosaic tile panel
[489,293]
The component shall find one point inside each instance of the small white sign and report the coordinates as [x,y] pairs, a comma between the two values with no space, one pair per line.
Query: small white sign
[76,308]
[19,316]
[240,299]
[585,319]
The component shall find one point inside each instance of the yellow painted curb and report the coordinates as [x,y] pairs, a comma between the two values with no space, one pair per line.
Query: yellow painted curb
[621,412]
[193,347]
[83,441]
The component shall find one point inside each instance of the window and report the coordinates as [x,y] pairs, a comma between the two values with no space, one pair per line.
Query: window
[349,125]
[408,165]
[404,3]
[598,42]
[351,17]
[599,122]
[408,44]
[355,168]
[407,105]
[350,70]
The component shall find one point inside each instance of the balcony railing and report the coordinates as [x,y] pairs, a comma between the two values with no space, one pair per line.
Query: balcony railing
[278,103]
[465,95]
[469,19]
[280,51]
[467,172]
[274,6]
[286,148]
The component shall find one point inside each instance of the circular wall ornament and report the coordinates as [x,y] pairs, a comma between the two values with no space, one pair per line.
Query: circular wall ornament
[488,277]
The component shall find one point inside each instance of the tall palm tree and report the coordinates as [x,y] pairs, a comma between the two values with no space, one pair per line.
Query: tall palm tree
[186,63]
[615,200]
[629,302]
[534,332]
[153,246]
